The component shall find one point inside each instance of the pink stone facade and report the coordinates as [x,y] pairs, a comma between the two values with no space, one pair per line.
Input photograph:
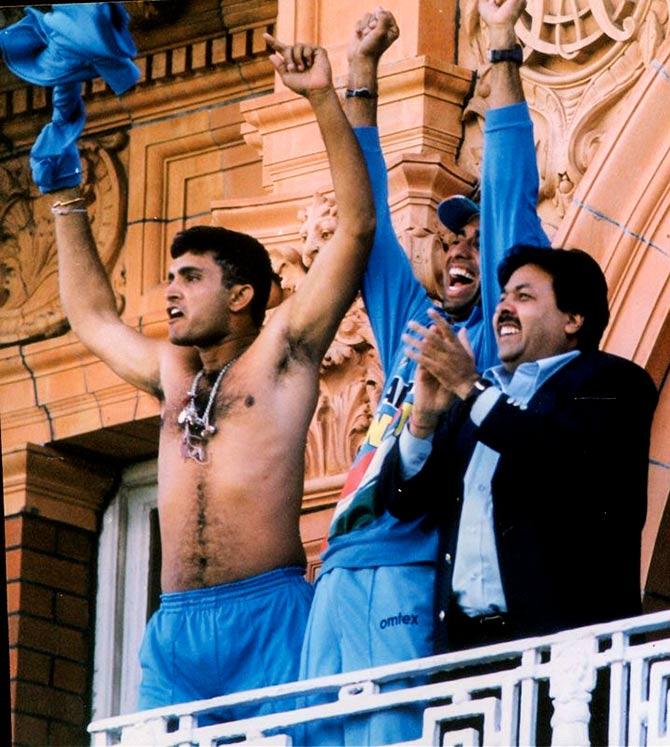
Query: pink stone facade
[209,135]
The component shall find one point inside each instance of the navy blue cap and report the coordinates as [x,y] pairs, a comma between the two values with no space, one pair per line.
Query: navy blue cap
[457,211]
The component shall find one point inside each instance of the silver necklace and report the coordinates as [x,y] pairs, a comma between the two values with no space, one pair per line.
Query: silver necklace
[197,428]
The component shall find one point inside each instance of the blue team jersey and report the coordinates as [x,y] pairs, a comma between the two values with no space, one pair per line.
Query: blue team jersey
[361,534]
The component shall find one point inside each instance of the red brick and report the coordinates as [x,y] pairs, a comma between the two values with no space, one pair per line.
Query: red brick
[75,544]
[70,676]
[13,559]
[13,628]
[43,701]
[28,598]
[13,531]
[28,531]
[72,610]
[65,735]
[13,596]
[59,574]
[29,730]
[13,661]
[30,665]
[50,638]
[32,699]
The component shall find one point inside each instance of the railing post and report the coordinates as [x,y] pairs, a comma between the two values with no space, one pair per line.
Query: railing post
[572,679]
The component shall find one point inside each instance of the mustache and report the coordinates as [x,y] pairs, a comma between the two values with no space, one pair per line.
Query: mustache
[507,316]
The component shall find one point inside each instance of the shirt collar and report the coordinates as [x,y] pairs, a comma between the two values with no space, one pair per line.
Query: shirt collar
[536,371]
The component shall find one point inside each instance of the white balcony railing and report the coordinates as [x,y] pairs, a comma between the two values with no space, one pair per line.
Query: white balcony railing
[508,694]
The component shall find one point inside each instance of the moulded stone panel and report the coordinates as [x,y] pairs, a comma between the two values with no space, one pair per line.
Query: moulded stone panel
[425,26]
[420,108]
[29,425]
[99,376]
[627,229]
[179,167]
[17,386]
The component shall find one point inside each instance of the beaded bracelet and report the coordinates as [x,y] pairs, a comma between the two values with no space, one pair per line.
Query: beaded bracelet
[65,203]
[65,207]
[61,210]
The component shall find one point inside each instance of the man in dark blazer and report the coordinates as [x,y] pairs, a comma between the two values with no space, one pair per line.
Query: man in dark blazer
[535,474]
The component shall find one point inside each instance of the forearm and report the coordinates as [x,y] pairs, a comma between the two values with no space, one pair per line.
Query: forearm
[85,289]
[362,111]
[355,209]
[505,78]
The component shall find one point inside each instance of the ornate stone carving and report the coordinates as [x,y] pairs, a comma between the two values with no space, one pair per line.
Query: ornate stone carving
[582,59]
[351,376]
[424,248]
[557,28]
[29,304]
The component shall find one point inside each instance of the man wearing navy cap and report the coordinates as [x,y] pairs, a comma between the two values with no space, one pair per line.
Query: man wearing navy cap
[373,603]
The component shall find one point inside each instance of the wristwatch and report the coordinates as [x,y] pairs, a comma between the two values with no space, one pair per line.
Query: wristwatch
[513,54]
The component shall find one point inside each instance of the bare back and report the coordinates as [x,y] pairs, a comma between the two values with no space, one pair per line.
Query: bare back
[237,514]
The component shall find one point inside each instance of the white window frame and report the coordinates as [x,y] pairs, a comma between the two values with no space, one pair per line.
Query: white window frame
[123,589]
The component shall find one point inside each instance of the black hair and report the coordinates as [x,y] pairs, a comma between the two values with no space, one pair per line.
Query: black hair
[242,258]
[579,285]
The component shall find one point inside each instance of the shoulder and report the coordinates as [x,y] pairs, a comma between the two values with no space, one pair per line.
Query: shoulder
[613,372]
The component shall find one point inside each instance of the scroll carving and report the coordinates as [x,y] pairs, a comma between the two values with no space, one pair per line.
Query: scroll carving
[350,372]
[424,246]
[582,58]
[29,303]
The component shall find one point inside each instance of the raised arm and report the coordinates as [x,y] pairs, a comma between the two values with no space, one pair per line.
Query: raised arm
[88,300]
[510,182]
[391,293]
[314,312]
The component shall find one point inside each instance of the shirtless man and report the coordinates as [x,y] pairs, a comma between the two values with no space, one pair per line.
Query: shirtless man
[236,403]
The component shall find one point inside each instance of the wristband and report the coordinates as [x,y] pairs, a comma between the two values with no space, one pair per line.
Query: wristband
[360,93]
[513,54]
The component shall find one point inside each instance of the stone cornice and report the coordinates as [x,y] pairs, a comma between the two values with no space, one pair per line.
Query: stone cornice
[58,390]
[42,481]
[227,65]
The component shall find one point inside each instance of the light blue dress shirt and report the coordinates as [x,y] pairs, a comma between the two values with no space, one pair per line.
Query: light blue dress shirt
[476,579]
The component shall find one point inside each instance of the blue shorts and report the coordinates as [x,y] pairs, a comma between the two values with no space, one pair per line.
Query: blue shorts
[362,618]
[223,639]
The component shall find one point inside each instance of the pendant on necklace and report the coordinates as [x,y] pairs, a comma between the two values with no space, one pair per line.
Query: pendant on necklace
[197,428]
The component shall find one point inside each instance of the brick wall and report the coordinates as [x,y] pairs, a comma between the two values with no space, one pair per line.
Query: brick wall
[50,585]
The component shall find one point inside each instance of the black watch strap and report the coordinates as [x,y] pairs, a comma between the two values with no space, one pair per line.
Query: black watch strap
[513,54]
